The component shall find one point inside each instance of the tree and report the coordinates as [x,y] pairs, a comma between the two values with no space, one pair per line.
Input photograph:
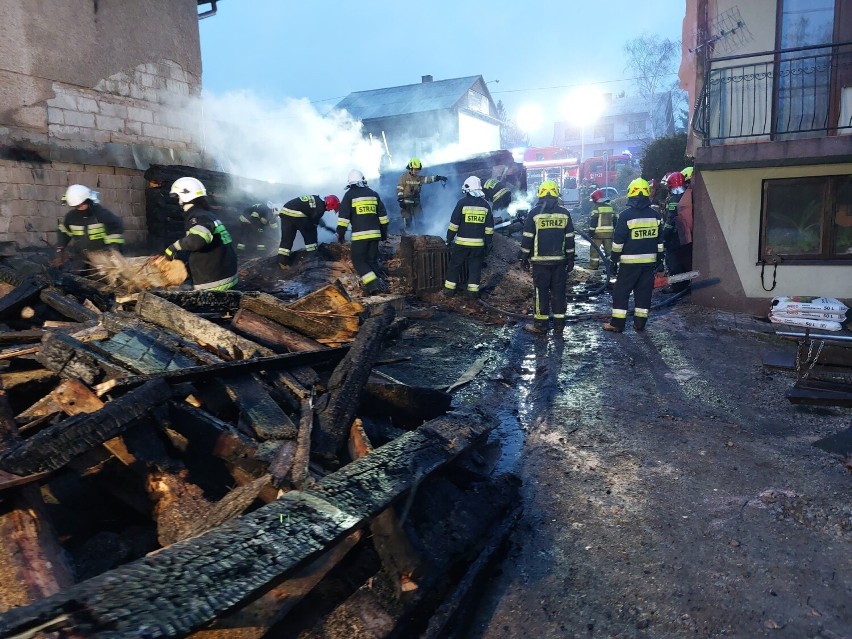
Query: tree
[664,155]
[651,62]
[510,135]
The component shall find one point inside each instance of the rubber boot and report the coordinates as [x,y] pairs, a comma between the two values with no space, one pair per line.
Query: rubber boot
[558,326]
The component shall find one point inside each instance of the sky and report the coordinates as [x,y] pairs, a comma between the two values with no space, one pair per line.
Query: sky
[282,65]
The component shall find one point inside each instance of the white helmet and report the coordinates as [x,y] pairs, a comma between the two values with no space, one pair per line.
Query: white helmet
[473,186]
[356,178]
[188,189]
[77,194]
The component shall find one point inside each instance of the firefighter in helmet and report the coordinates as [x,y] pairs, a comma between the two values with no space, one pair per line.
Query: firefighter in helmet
[88,226]
[674,182]
[212,256]
[302,215]
[469,237]
[548,243]
[257,230]
[638,249]
[497,193]
[363,211]
[601,226]
[408,192]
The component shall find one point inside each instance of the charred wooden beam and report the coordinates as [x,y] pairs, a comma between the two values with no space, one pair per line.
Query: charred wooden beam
[241,367]
[187,585]
[69,357]
[99,294]
[302,457]
[67,305]
[213,302]
[54,446]
[22,337]
[34,565]
[271,334]
[19,378]
[336,410]
[22,295]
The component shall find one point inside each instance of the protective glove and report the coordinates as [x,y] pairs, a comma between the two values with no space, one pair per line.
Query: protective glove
[441,179]
[569,266]
[384,235]
[401,202]
[169,253]
[661,267]
[525,264]
[449,242]
[341,237]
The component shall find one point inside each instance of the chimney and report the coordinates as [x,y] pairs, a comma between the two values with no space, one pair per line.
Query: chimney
[426,78]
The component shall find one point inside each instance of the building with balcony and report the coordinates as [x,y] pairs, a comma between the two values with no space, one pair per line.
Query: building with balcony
[770,85]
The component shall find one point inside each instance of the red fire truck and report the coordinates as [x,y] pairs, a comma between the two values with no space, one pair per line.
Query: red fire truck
[603,170]
[553,163]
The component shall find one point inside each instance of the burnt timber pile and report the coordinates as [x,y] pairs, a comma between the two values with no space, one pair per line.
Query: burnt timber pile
[229,465]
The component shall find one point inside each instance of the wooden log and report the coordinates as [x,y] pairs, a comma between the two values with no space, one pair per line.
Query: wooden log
[187,585]
[34,565]
[19,378]
[67,305]
[22,337]
[54,446]
[69,357]
[398,556]
[271,334]
[302,458]
[255,620]
[218,340]
[336,410]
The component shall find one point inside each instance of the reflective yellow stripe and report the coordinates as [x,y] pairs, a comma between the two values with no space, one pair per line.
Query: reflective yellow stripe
[469,241]
[366,235]
[619,313]
[202,231]
[643,258]
[291,213]
[368,277]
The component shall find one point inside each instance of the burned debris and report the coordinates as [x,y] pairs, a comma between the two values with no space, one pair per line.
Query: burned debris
[197,463]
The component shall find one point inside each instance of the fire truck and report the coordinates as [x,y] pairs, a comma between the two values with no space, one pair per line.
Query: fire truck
[553,163]
[603,170]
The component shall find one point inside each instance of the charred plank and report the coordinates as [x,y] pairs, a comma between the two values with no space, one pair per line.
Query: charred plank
[67,305]
[213,302]
[69,357]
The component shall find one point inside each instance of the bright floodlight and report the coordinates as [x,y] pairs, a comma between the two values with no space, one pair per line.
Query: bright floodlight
[583,106]
[529,118]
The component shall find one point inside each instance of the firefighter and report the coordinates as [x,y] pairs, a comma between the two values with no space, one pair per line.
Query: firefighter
[469,237]
[258,226]
[302,215]
[674,182]
[497,193]
[601,226]
[548,243]
[88,226]
[638,247]
[683,228]
[363,210]
[212,256]
[408,192]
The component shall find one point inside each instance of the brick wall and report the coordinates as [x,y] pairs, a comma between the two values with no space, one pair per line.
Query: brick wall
[30,199]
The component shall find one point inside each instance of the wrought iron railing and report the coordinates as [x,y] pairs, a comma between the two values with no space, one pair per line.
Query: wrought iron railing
[777,95]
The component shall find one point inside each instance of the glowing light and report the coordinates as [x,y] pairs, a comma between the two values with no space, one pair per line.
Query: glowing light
[529,118]
[583,106]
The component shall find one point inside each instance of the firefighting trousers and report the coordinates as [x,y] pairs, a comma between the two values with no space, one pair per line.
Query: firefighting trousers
[289,227]
[461,256]
[365,259]
[639,280]
[411,215]
[594,258]
[549,281]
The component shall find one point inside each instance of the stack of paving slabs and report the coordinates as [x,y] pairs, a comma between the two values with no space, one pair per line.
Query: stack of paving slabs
[825,313]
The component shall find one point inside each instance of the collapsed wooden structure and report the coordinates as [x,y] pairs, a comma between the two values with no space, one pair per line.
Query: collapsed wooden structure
[224,428]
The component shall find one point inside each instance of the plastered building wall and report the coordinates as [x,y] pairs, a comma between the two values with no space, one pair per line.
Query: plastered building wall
[92,92]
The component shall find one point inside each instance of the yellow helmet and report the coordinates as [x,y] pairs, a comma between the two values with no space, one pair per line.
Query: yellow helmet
[687,173]
[639,187]
[548,187]
[415,163]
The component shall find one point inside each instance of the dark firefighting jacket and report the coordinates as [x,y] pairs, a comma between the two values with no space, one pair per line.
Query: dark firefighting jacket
[637,234]
[548,236]
[497,193]
[311,207]
[363,210]
[95,229]
[258,228]
[408,187]
[669,234]
[212,257]
[602,222]
[471,223]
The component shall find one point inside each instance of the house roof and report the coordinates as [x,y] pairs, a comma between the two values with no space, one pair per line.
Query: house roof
[410,98]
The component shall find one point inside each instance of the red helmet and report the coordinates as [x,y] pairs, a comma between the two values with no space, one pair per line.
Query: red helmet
[598,196]
[674,180]
[332,203]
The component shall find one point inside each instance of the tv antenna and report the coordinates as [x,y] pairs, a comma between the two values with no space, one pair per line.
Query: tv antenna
[729,33]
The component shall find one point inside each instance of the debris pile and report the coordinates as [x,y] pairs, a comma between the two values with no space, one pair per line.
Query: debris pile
[200,463]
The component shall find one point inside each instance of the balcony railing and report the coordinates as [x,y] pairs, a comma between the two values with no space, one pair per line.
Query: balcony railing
[777,95]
